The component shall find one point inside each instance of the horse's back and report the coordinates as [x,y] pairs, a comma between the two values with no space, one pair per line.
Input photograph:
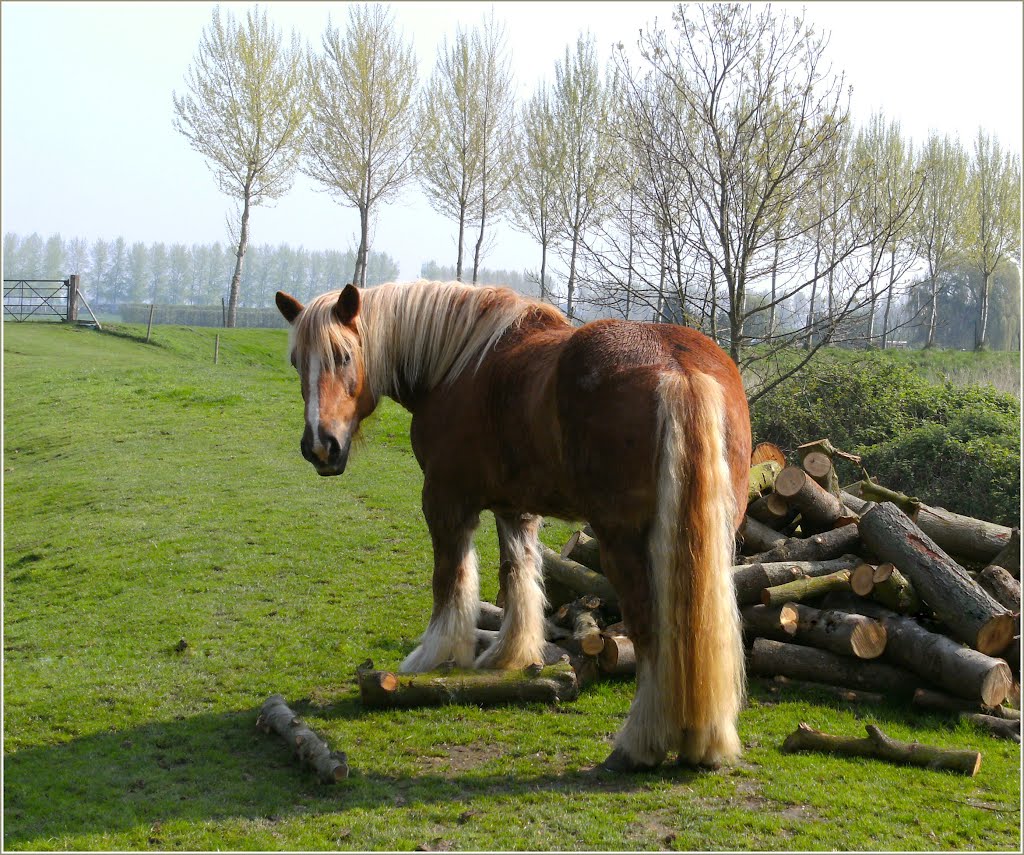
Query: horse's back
[609,375]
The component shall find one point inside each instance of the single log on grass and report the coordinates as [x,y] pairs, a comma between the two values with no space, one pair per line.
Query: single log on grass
[757,537]
[928,699]
[769,658]
[818,547]
[275,715]
[574,575]
[806,588]
[617,656]
[750,579]
[385,689]
[940,660]
[957,600]
[839,632]
[882,747]
[1000,728]
[583,549]
[1004,589]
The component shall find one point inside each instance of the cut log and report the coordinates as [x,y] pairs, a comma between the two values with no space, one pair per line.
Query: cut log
[957,600]
[1004,589]
[761,478]
[894,591]
[927,699]
[841,692]
[940,660]
[818,465]
[882,747]
[583,549]
[767,622]
[819,666]
[965,537]
[819,547]
[617,656]
[587,634]
[862,579]
[750,579]
[1009,556]
[757,537]
[770,510]
[275,715]
[767,451]
[385,689]
[839,632]
[818,507]
[805,588]
[1000,728]
[827,448]
[574,575]
[490,617]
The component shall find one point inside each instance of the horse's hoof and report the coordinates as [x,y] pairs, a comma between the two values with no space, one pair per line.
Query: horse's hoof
[620,761]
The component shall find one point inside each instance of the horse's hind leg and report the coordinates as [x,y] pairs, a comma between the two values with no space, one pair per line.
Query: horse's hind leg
[451,633]
[521,640]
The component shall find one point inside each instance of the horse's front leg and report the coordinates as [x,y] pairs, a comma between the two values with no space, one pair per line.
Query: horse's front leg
[521,640]
[451,633]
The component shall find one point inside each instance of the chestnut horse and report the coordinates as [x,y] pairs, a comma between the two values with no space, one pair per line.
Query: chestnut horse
[641,429]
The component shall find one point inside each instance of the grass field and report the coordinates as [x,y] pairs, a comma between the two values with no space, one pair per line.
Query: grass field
[152,497]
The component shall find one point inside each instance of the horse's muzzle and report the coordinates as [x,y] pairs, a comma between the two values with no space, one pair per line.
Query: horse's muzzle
[330,455]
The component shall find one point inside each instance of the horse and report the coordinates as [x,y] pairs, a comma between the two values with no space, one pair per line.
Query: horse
[642,429]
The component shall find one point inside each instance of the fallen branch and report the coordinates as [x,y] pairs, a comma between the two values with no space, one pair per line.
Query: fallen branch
[330,766]
[928,699]
[1001,728]
[882,747]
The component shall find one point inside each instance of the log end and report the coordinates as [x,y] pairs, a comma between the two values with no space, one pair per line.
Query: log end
[996,685]
[862,579]
[868,639]
[789,618]
[790,481]
[817,464]
[570,544]
[995,636]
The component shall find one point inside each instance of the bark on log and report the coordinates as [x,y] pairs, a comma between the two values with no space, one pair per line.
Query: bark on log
[962,536]
[574,575]
[550,684]
[757,537]
[583,549]
[587,634]
[819,547]
[818,507]
[805,663]
[767,622]
[1009,556]
[839,632]
[761,478]
[490,617]
[275,715]
[750,579]
[771,511]
[617,656]
[882,747]
[806,588]
[894,591]
[940,660]
[1001,728]
[841,692]
[1004,589]
[957,600]
[927,699]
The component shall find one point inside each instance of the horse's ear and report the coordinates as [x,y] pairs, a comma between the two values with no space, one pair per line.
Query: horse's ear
[347,307]
[288,306]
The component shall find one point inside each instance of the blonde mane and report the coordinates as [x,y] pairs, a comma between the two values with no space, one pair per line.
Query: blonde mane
[415,335]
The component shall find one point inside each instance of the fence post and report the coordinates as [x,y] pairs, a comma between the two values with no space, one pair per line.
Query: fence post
[149,327]
[72,283]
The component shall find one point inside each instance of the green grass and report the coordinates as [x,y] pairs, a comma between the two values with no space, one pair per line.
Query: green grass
[152,497]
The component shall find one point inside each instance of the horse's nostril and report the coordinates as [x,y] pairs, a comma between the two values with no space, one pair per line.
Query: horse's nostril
[331,444]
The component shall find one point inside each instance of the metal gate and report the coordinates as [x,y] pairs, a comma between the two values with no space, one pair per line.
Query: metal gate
[38,299]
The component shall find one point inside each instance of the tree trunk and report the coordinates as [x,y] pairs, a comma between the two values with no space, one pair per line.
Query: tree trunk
[480,239]
[570,288]
[312,751]
[750,580]
[940,660]
[769,658]
[819,547]
[933,310]
[881,747]
[957,600]
[981,342]
[384,689]
[359,275]
[236,277]
[543,270]
[462,234]
[806,588]
[888,300]
[836,631]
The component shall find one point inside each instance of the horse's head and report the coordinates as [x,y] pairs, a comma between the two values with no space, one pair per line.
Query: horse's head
[327,352]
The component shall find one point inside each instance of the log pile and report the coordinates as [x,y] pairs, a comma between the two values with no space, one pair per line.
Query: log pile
[861,591]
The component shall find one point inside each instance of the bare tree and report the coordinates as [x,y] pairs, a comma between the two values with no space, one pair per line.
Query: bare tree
[359,143]
[991,225]
[244,112]
[943,200]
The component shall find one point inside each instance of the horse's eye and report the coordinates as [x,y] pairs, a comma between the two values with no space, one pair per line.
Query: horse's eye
[345,360]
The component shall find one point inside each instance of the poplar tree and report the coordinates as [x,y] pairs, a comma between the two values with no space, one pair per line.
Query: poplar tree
[359,143]
[244,112]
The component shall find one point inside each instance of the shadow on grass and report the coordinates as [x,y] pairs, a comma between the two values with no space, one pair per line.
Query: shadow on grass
[212,767]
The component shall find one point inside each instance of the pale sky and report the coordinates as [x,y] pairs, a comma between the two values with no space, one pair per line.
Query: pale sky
[88,148]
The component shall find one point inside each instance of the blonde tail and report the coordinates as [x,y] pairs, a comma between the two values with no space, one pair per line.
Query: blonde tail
[698,653]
